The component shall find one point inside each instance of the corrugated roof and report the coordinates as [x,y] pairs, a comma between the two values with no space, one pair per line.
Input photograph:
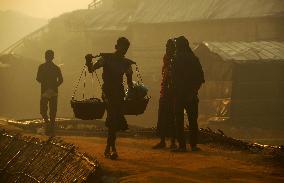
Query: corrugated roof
[161,11]
[245,51]
[113,20]
[97,19]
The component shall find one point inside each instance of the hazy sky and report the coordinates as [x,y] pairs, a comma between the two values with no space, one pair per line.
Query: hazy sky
[43,8]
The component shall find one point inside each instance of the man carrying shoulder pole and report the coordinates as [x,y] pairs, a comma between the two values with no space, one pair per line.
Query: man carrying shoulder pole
[114,65]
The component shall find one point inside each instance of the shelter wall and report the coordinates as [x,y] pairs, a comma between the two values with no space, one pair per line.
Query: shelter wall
[148,46]
[148,41]
[257,93]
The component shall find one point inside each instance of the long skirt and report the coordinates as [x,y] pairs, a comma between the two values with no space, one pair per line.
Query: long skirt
[165,125]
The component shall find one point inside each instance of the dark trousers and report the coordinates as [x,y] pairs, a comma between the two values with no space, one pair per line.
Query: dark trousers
[115,121]
[111,140]
[52,104]
[191,107]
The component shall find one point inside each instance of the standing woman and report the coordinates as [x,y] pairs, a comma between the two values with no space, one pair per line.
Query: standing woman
[165,125]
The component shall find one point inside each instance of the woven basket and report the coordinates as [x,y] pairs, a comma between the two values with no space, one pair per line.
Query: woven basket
[88,109]
[135,107]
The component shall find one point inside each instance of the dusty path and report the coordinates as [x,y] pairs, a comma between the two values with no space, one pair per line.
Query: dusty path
[139,163]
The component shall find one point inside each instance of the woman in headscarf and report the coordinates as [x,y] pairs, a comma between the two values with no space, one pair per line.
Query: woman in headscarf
[165,125]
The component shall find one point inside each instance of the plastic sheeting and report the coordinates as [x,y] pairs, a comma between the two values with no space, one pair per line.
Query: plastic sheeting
[246,87]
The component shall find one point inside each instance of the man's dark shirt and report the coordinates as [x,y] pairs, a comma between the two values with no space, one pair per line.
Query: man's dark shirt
[114,67]
[188,75]
[50,77]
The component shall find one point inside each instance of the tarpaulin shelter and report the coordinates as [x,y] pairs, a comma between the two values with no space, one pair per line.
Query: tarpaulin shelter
[244,82]
[155,21]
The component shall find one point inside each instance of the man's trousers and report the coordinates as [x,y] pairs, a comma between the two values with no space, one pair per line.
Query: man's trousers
[191,107]
[52,104]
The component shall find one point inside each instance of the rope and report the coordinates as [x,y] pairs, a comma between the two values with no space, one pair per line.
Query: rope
[103,94]
[98,79]
[84,70]
[76,87]
[84,84]
[92,79]
[138,74]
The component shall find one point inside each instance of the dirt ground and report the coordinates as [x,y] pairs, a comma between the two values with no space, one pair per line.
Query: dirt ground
[139,163]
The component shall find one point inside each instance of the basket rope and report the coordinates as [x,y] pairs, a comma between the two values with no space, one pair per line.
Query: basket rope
[92,83]
[98,79]
[103,94]
[78,82]
[138,74]
[84,85]
[84,72]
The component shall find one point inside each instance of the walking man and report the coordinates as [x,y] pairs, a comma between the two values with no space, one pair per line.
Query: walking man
[50,77]
[114,65]
[188,78]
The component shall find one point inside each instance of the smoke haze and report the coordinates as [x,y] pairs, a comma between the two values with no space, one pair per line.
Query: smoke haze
[43,8]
